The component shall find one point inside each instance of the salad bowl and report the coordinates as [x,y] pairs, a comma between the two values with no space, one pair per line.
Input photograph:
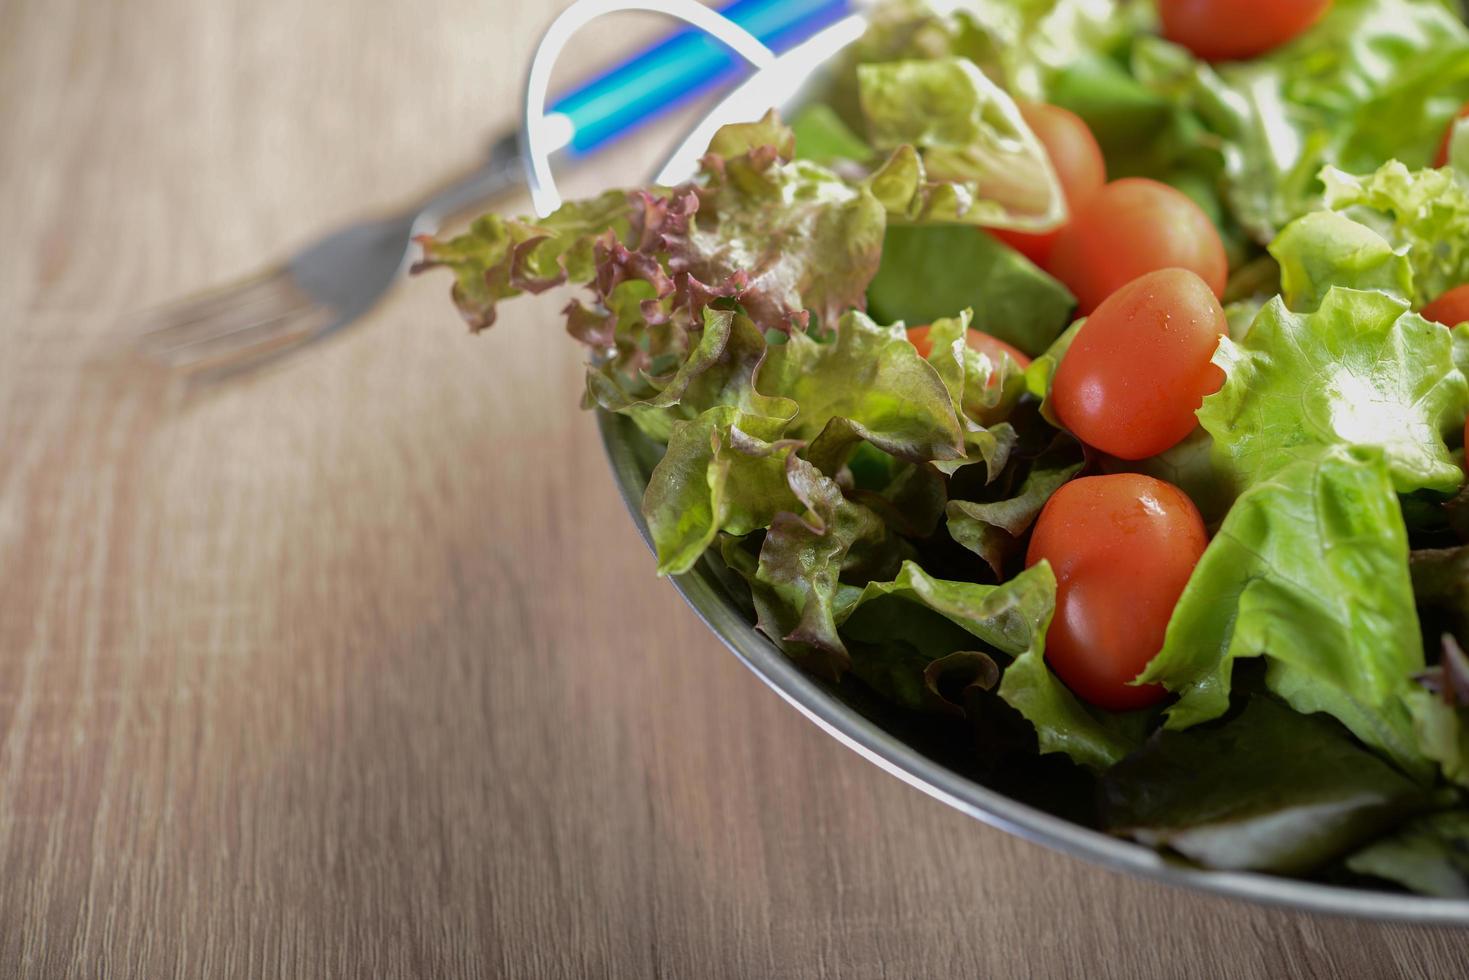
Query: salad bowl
[1035,799]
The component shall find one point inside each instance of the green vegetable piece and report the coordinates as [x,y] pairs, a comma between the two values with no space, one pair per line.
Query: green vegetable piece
[1042,371]
[871,384]
[1429,856]
[936,271]
[1022,43]
[1361,370]
[992,528]
[1309,570]
[1423,213]
[823,137]
[1325,249]
[1270,790]
[1010,619]
[796,582]
[714,477]
[977,160]
[498,258]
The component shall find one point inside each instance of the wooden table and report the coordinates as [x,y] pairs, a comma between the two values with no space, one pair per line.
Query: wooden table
[358,668]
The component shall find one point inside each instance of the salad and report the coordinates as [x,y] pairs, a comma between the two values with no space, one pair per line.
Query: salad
[1089,380]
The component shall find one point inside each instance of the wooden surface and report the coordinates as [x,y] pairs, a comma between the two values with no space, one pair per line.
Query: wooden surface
[358,669]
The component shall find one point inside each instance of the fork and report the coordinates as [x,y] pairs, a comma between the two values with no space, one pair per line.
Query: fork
[320,289]
[334,281]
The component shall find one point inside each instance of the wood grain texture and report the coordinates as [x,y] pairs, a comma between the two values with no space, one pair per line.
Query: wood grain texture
[358,669]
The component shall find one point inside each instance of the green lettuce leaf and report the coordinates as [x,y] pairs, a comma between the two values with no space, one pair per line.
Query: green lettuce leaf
[993,528]
[934,271]
[961,151]
[1325,249]
[1361,370]
[1269,790]
[868,384]
[1310,571]
[1042,370]
[1375,80]
[822,136]
[1008,618]
[983,394]
[1022,44]
[1011,619]
[1429,856]
[714,476]
[797,579]
[718,371]
[1423,213]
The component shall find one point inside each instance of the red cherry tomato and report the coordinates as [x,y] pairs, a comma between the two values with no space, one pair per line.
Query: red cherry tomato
[1122,548]
[992,347]
[1450,309]
[1079,165]
[1441,159]
[1231,30]
[1139,368]
[1131,227]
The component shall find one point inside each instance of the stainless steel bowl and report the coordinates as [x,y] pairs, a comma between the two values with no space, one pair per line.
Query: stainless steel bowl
[884,735]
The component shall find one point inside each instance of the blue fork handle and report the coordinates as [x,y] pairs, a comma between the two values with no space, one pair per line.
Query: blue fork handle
[683,67]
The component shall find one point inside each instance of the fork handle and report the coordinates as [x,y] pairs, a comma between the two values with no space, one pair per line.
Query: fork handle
[500,172]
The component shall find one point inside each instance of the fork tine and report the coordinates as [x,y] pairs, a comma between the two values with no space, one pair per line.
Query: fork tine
[230,352]
[223,311]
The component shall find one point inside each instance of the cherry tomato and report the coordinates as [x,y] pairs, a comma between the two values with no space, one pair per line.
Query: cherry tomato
[978,340]
[1231,30]
[1131,227]
[1450,309]
[1442,157]
[1122,548]
[1079,165]
[1139,368]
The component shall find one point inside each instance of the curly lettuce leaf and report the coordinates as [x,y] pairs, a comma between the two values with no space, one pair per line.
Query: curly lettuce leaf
[1022,44]
[1361,370]
[867,384]
[1325,249]
[983,394]
[796,236]
[715,476]
[796,581]
[934,271]
[719,370]
[498,258]
[1375,80]
[1310,571]
[1007,618]
[1269,790]
[961,151]
[783,237]
[1429,856]
[1423,213]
